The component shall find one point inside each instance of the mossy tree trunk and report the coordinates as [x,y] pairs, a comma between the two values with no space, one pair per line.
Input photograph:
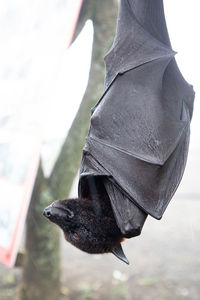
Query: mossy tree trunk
[41,271]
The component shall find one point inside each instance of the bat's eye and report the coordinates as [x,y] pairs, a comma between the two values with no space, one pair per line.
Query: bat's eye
[75,236]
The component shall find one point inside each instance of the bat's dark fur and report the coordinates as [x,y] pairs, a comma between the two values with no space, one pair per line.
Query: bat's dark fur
[88,224]
[85,225]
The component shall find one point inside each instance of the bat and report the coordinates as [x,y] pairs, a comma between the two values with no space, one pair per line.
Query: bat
[136,149]
[89,224]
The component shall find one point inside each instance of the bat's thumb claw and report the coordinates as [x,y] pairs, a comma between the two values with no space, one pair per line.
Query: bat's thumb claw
[119,253]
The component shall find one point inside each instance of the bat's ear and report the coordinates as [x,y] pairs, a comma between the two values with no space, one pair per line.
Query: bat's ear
[119,253]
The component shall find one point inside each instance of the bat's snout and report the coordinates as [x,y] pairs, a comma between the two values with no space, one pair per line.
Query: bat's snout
[47,211]
[57,210]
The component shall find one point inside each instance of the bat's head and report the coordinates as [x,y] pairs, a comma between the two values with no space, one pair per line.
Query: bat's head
[87,226]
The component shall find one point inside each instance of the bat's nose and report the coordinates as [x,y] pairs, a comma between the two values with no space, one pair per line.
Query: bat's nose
[47,212]
[57,210]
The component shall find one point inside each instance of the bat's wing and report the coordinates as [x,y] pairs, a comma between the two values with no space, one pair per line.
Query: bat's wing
[139,134]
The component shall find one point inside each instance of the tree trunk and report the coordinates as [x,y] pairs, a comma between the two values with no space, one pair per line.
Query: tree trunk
[41,276]
[41,272]
[103,13]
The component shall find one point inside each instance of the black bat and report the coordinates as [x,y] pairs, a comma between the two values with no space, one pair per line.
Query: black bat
[89,224]
[138,139]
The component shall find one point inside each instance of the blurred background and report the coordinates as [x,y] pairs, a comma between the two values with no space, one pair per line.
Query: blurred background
[42,88]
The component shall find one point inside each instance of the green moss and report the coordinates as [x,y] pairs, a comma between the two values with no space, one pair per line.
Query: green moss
[86,291]
[148,281]
[119,290]
[8,279]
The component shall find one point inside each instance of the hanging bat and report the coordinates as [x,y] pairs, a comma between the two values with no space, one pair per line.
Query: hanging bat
[89,224]
[137,144]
